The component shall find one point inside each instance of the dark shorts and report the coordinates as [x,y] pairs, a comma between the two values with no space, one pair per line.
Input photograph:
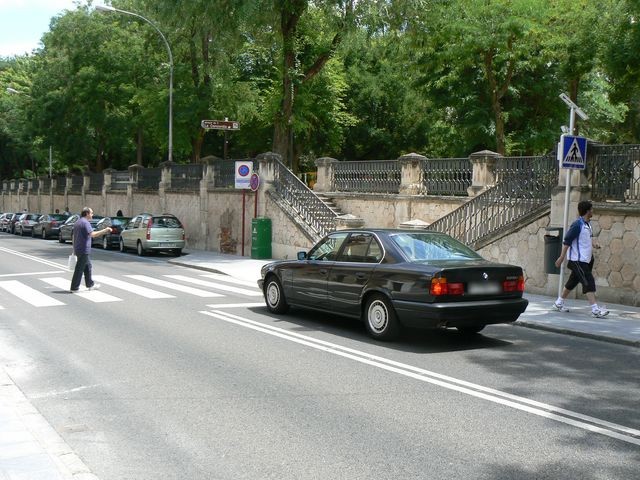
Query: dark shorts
[581,273]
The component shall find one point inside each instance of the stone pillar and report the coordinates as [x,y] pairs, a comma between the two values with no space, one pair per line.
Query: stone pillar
[165,174]
[324,179]
[209,176]
[411,168]
[106,183]
[134,174]
[208,180]
[484,171]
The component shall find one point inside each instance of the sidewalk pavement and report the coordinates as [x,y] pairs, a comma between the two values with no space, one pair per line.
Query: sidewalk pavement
[30,449]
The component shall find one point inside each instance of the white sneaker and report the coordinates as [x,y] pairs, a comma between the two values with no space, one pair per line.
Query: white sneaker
[600,312]
[95,286]
[561,307]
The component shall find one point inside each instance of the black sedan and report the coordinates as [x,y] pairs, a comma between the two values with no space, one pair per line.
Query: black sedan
[66,229]
[48,225]
[110,240]
[397,278]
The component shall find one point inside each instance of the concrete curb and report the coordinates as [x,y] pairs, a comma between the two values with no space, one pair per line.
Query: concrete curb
[577,333]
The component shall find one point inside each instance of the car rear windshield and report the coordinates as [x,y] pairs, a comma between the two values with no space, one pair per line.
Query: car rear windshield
[424,247]
[119,221]
[58,216]
[165,222]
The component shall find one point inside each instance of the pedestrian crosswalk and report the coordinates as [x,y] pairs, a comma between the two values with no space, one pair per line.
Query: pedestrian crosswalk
[41,290]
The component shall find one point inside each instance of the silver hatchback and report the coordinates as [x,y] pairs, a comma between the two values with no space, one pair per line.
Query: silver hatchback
[153,233]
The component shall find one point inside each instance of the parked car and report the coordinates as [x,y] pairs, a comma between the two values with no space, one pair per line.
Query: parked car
[48,225]
[397,278]
[157,233]
[66,229]
[5,219]
[112,239]
[25,223]
[11,223]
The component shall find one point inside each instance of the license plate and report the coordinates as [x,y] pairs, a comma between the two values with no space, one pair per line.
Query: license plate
[170,245]
[483,288]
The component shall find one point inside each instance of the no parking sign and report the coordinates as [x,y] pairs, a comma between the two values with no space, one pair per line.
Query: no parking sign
[243,174]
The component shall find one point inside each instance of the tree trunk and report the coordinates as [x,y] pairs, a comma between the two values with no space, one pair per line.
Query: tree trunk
[139,145]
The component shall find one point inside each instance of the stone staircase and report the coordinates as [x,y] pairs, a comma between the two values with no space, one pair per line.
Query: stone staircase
[328,201]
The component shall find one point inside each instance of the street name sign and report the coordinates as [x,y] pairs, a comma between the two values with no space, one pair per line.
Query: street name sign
[220,124]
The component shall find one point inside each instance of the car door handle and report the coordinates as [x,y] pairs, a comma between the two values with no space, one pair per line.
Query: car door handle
[323,271]
[361,276]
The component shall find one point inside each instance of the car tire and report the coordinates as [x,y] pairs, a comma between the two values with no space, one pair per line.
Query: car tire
[33,234]
[105,243]
[176,252]
[21,232]
[44,234]
[122,247]
[274,296]
[471,330]
[141,251]
[60,237]
[380,318]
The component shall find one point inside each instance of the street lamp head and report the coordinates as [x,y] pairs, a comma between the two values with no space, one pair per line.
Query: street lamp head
[104,8]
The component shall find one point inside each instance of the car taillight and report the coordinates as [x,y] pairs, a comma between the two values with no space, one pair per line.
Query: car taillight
[513,285]
[440,286]
[149,232]
[53,223]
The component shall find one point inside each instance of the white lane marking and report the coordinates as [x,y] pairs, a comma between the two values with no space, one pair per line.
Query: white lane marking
[95,296]
[35,259]
[64,392]
[31,273]
[174,286]
[229,279]
[28,294]
[585,422]
[236,305]
[219,286]
[132,287]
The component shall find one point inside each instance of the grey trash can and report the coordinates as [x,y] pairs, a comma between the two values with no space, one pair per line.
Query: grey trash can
[552,249]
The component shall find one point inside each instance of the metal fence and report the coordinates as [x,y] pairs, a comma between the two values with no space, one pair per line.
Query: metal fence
[77,182]
[45,185]
[375,176]
[96,181]
[614,172]
[446,176]
[61,185]
[187,177]
[120,180]
[149,178]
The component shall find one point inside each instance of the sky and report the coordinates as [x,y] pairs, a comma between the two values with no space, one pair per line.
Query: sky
[23,22]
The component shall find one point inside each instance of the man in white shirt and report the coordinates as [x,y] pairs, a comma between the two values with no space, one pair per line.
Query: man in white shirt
[579,244]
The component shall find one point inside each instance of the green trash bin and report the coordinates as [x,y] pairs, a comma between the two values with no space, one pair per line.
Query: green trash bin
[261,238]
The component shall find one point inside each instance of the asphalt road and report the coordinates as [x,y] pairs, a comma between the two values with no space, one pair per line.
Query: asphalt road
[190,386]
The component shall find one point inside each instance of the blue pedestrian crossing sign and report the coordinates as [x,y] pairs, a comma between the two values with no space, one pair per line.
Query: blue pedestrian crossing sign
[574,152]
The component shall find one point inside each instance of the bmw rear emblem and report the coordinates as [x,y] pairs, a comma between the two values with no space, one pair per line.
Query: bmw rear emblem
[484,275]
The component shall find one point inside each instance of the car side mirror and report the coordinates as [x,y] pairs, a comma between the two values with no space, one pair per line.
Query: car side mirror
[302,255]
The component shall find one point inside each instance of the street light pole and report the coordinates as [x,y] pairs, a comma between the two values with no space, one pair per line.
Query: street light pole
[106,8]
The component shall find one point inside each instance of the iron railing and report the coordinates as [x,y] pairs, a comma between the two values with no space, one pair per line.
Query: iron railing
[303,203]
[375,176]
[45,185]
[149,178]
[61,185]
[446,176]
[614,172]
[186,177]
[77,181]
[96,181]
[120,180]
[523,189]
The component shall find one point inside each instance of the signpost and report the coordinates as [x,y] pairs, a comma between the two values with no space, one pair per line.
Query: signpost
[244,174]
[572,154]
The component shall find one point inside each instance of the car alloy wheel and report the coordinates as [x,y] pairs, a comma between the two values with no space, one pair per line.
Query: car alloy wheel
[105,243]
[122,249]
[140,249]
[274,296]
[44,234]
[380,318]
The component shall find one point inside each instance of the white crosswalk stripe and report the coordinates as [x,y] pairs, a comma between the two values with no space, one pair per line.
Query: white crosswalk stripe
[28,294]
[217,285]
[95,296]
[228,279]
[132,287]
[174,286]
